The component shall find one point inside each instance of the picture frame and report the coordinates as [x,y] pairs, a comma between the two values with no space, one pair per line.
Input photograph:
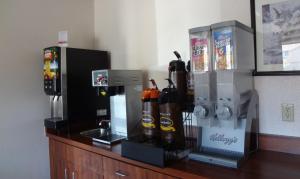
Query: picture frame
[276,25]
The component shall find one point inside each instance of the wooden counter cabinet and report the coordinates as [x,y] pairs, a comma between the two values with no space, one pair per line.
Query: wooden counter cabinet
[69,162]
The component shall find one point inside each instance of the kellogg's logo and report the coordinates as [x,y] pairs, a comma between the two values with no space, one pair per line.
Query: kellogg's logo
[221,138]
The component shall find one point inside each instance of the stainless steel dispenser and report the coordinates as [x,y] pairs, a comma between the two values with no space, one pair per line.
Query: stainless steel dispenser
[123,87]
[233,134]
[204,76]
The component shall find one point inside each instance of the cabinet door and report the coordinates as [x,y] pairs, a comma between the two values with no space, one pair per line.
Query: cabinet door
[155,175]
[131,171]
[82,172]
[86,165]
[58,164]
[60,169]
[110,167]
[114,169]
[68,162]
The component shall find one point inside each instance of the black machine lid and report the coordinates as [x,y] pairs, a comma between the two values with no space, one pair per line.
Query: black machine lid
[177,65]
[169,94]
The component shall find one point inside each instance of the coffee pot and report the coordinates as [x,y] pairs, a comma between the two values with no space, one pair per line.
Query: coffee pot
[171,121]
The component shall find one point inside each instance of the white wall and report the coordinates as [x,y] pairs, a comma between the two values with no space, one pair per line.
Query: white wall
[26,28]
[127,30]
[118,30]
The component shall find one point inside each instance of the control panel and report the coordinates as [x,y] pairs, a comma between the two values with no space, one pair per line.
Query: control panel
[100,78]
[52,79]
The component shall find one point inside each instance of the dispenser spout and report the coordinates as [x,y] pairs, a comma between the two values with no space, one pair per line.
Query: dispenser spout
[154,83]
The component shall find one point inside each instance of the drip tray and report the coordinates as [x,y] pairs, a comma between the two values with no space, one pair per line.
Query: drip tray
[220,159]
[102,136]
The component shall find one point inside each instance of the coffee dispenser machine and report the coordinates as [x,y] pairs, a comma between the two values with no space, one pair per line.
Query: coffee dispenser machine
[229,135]
[123,110]
[67,76]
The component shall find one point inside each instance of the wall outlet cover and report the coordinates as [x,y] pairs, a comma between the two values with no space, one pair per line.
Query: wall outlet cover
[287,111]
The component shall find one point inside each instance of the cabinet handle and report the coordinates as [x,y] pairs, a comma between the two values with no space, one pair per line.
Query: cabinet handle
[66,173]
[119,173]
[73,175]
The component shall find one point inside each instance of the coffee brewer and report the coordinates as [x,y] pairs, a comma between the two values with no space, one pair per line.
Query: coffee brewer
[123,112]
[229,134]
[67,76]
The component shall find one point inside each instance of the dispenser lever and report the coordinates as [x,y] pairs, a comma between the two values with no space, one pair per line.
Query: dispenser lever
[170,83]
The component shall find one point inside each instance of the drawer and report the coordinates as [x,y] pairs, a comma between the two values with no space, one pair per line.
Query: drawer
[155,175]
[114,169]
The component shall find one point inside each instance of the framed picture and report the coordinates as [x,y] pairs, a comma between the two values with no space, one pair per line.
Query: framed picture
[277,36]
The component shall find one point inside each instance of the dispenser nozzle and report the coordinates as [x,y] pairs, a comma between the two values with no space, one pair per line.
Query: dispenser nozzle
[154,83]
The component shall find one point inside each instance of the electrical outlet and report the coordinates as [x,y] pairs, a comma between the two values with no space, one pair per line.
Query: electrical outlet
[287,111]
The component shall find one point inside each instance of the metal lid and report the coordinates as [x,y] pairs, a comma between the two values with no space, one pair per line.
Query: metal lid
[199,29]
[232,23]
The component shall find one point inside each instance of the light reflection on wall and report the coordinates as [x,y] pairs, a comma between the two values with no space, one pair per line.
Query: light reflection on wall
[291,56]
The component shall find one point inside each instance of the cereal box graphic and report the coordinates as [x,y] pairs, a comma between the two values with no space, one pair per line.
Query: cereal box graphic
[223,52]
[200,54]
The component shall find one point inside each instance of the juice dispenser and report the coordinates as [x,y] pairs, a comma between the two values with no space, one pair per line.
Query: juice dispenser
[67,77]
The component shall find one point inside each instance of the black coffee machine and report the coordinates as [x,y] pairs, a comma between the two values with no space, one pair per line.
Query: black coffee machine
[67,82]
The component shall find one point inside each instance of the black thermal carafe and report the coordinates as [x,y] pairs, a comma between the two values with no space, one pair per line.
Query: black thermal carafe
[171,122]
[177,73]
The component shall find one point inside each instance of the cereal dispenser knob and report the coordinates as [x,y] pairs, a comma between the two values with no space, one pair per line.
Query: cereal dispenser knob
[224,112]
[201,112]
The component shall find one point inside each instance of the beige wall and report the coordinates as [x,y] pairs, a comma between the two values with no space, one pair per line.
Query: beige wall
[118,29]
[26,27]
[127,30]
